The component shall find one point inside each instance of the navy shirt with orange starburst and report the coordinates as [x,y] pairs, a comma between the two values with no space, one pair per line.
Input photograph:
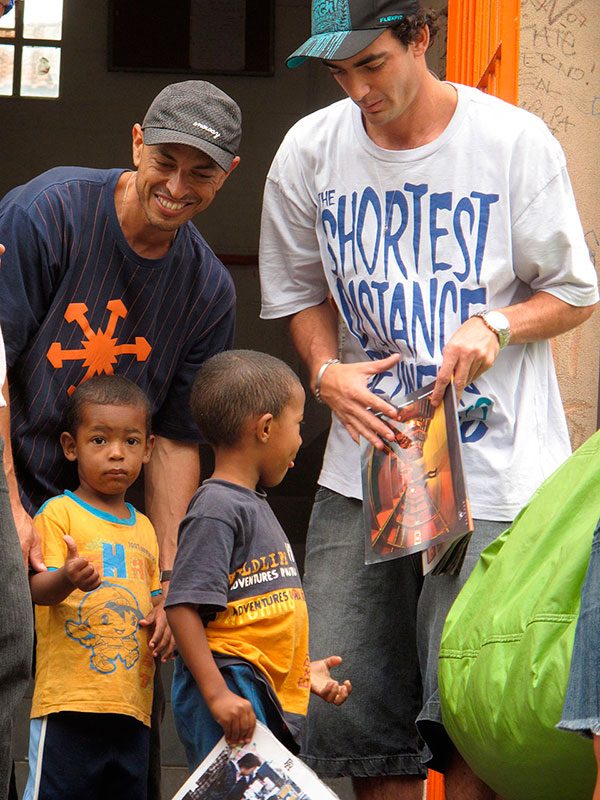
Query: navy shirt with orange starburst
[77,300]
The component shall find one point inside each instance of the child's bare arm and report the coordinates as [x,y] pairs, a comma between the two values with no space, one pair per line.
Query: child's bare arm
[324,685]
[233,713]
[162,643]
[51,587]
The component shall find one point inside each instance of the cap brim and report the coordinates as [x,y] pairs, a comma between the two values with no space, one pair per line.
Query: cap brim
[165,136]
[334,46]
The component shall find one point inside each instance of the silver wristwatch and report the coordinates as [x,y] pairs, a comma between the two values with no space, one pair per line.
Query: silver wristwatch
[497,322]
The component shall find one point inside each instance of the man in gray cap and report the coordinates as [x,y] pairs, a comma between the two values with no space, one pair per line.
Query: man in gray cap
[105,272]
[442,224]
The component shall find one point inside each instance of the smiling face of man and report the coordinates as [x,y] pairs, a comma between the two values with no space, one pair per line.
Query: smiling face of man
[174,182]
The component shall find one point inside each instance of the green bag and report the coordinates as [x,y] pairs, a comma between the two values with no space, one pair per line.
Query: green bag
[508,639]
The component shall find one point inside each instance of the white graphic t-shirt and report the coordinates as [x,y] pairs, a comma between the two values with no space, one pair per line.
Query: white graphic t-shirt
[410,244]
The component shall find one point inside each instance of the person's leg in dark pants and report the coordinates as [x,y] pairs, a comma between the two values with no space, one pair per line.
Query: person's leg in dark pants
[158,713]
[75,755]
[16,629]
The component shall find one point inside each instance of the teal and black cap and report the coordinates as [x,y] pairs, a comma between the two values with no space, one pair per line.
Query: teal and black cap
[342,28]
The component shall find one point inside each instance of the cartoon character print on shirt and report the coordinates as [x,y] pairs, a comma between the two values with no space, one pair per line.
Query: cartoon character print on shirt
[108,621]
[406,273]
[100,348]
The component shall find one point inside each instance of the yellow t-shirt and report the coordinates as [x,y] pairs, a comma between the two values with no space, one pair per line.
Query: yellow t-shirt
[92,655]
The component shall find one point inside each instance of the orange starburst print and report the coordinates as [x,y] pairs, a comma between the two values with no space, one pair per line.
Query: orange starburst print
[100,348]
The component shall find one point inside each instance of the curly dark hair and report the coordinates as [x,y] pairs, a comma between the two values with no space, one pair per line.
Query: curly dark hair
[406,30]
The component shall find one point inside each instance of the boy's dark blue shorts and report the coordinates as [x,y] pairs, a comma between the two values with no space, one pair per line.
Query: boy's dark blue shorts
[75,755]
[196,726]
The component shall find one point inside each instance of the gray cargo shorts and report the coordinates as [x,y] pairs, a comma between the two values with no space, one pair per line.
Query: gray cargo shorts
[385,621]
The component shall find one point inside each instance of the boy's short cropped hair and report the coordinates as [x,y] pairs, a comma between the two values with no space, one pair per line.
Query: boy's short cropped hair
[105,390]
[235,385]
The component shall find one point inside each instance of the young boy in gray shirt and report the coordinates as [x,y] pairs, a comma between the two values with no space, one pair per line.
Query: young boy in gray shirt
[235,603]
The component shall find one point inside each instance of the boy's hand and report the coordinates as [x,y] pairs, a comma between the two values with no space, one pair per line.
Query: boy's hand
[235,715]
[162,643]
[79,571]
[324,685]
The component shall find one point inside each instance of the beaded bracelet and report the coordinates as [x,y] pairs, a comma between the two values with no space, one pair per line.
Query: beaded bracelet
[320,374]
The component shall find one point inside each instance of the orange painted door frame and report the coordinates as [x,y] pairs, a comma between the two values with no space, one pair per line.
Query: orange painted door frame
[483,51]
[483,45]
[435,786]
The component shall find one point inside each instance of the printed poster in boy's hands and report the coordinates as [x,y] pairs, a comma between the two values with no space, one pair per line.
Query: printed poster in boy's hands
[414,489]
[278,775]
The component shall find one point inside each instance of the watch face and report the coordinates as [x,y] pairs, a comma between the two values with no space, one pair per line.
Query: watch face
[497,320]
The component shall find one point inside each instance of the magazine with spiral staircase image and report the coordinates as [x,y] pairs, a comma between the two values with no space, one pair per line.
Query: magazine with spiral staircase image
[414,489]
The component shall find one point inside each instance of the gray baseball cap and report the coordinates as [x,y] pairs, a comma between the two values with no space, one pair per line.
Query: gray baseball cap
[342,28]
[198,114]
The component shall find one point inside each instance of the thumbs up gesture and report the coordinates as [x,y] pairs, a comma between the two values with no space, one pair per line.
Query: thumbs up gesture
[79,571]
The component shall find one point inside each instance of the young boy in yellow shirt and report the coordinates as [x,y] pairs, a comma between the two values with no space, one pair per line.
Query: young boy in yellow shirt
[96,608]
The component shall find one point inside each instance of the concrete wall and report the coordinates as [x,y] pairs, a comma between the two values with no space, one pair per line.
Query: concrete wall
[91,122]
[559,80]
[91,125]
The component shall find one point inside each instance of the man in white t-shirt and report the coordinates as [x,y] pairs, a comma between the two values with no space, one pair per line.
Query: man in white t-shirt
[442,223]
